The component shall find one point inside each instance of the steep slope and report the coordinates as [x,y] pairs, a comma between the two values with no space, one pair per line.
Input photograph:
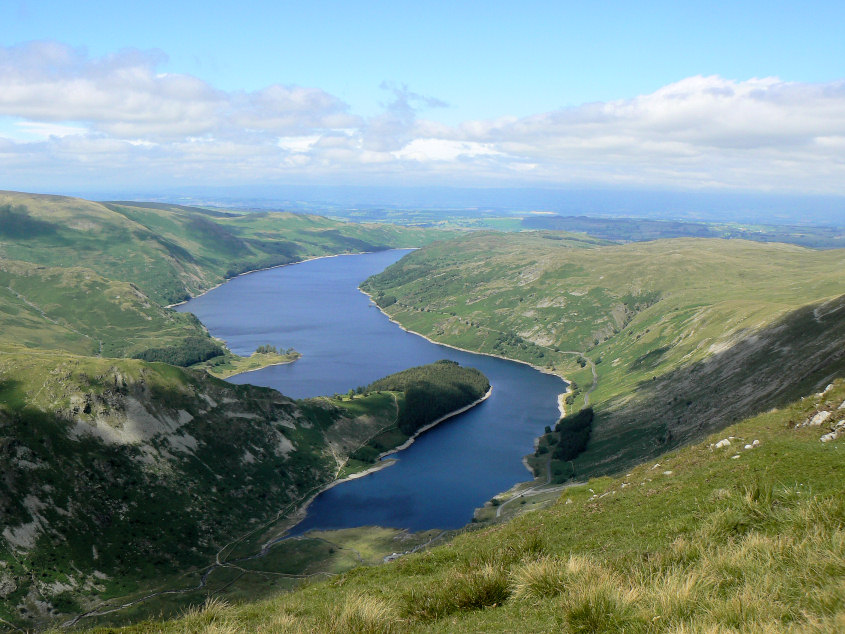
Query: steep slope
[77,310]
[684,336]
[742,532]
[117,474]
[171,252]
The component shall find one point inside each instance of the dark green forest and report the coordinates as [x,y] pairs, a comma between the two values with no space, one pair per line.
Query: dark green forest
[574,431]
[187,352]
[432,391]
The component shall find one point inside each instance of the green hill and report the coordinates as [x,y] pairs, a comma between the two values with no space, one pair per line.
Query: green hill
[637,229]
[685,336]
[432,391]
[77,310]
[119,476]
[90,278]
[738,537]
[173,252]
[129,482]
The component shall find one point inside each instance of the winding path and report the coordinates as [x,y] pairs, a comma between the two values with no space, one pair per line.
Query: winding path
[536,490]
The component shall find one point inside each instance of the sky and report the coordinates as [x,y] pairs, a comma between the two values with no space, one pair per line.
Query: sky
[739,96]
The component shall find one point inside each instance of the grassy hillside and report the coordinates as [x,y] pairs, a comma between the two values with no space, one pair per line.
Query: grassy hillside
[637,229]
[90,278]
[746,537]
[119,475]
[77,310]
[684,336]
[172,252]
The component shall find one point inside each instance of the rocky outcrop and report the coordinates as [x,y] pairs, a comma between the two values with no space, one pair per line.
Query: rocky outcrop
[116,469]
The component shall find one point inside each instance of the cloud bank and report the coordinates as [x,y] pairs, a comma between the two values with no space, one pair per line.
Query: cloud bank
[66,118]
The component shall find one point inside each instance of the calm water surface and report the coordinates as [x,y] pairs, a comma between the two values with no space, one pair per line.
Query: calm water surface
[346,341]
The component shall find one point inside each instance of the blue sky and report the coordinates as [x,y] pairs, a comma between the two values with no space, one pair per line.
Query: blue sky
[658,94]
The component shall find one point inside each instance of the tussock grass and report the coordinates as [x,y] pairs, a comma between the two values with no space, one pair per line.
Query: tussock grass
[712,580]
[602,606]
[364,615]
[544,577]
[460,590]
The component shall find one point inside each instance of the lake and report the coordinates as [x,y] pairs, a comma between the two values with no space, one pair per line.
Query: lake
[345,341]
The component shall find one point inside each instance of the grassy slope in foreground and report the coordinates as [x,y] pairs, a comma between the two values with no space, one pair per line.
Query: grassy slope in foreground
[686,335]
[119,474]
[710,539]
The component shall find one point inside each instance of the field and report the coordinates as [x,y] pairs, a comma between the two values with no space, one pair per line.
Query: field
[639,229]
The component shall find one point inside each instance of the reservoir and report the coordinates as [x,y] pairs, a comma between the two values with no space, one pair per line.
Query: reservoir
[345,341]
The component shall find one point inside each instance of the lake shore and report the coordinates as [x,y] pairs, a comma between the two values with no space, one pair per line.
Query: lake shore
[521,409]
[561,396]
[279,266]
[425,428]
[229,373]
[301,511]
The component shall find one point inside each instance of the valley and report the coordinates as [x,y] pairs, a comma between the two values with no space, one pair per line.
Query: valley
[741,531]
[136,483]
[397,318]
[121,474]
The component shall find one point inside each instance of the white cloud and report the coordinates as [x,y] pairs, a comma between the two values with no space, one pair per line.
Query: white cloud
[67,113]
[298,144]
[699,131]
[123,96]
[40,130]
[443,150]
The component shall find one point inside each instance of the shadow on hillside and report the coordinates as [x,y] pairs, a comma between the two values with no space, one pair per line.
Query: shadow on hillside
[798,354]
[12,394]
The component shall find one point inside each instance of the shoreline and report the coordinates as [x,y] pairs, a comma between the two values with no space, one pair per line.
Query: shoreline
[561,397]
[445,417]
[269,365]
[278,266]
[300,513]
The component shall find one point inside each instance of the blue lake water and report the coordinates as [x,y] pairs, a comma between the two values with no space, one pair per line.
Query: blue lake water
[346,341]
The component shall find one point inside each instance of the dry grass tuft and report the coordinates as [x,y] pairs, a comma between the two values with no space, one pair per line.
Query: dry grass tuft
[544,577]
[472,589]
[364,615]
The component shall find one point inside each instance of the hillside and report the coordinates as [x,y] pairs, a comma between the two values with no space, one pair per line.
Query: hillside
[119,474]
[91,278]
[744,535]
[77,310]
[432,391]
[132,482]
[684,336]
[173,252]
[638,229]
